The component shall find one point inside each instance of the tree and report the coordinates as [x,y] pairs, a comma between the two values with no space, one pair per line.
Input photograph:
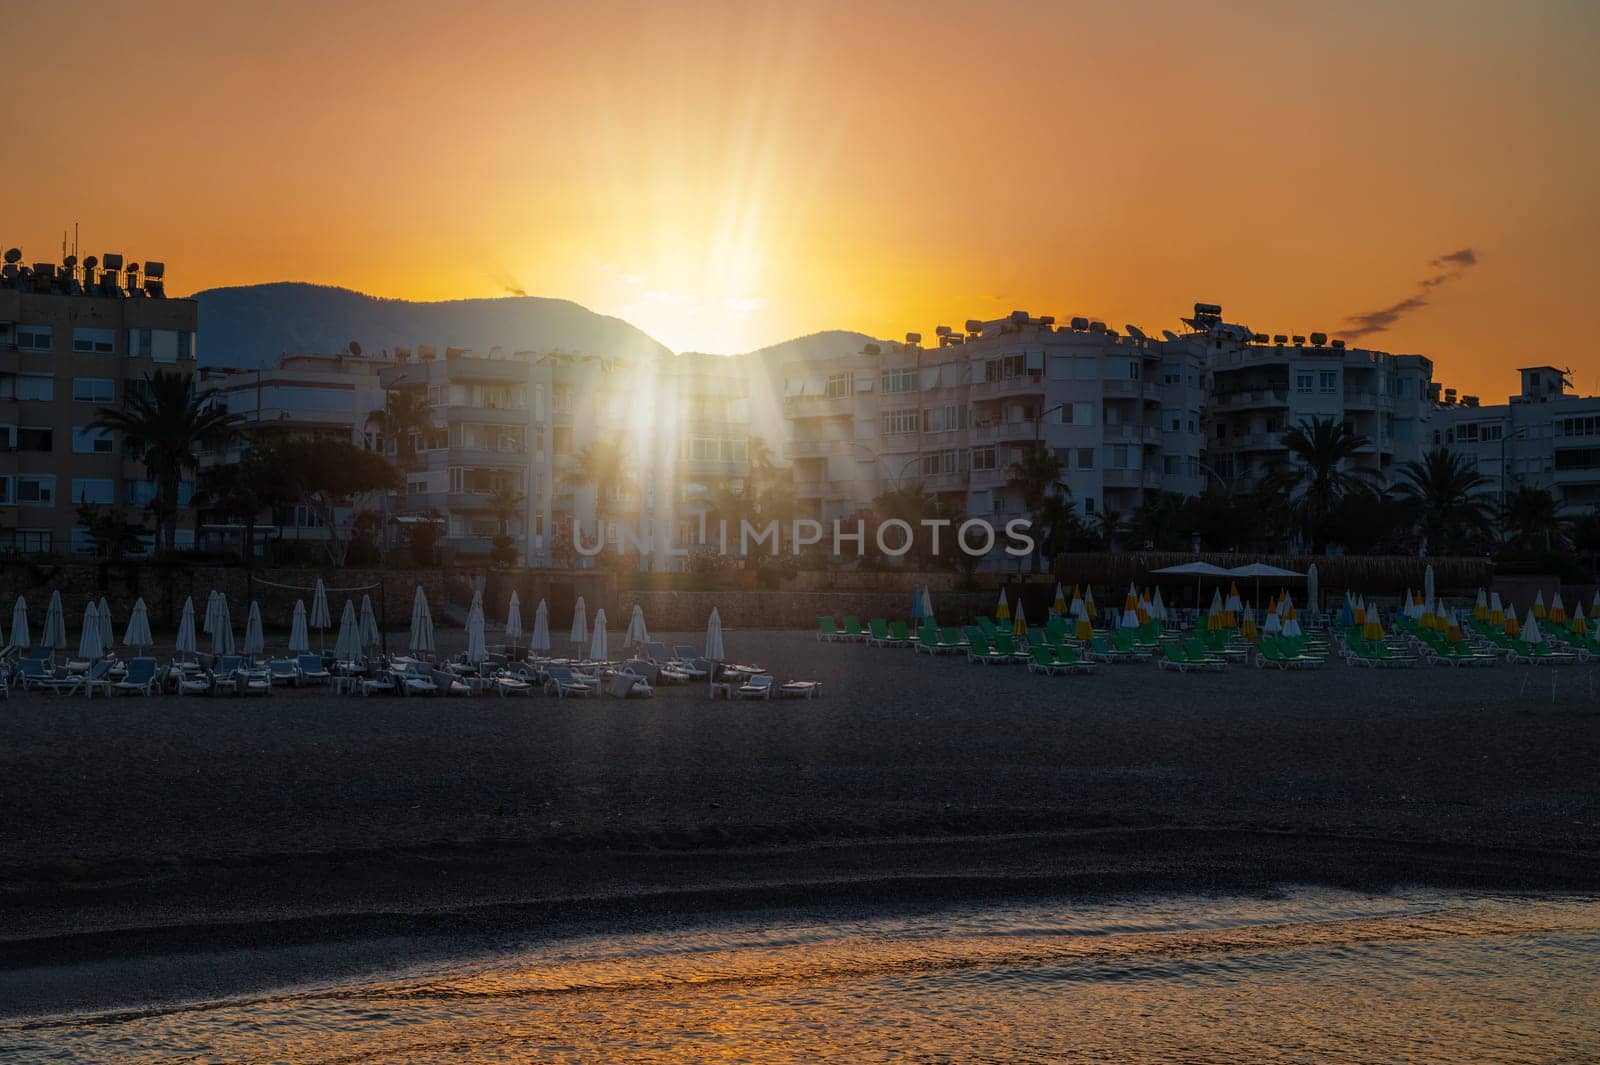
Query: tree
[1110,527]
[406,414]
[1441,488]
[113,535]
[163,423]
[1316,477]
[1532,513]
[506,503]
[1035,475]
[912,504]
[1158,524]
[241,490]
[337,480]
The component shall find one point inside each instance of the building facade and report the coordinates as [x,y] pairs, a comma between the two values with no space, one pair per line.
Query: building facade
[1543,437]
[75,338]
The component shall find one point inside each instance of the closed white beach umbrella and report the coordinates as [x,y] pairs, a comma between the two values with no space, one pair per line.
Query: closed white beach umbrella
[55,624]
[20,636]
[222,629]
[108,635]
[541,628]
[1427,584]
[186,643]
[637,635]
[421,624]
[580,623]
[1530,630]
[477,648]
[514,619]
[138,634]
[1158,607]
[321,620]
[927,603]
[208,621]
[89,645]
[255,641]
[348,646]
[714,649]
[299,638]
[1313,584]
[370,636]
[598,649]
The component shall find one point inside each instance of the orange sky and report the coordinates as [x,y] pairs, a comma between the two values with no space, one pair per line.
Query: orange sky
[729,175]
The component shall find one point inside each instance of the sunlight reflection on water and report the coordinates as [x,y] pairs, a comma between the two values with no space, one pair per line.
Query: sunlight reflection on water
[1312,976]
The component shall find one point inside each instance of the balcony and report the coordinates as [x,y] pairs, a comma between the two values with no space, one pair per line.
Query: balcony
[814,449]
[1250,442]
[1120,478]
[1152,391]
[1026,385]
[1251,398]
[997,432]
[987,479]
[940,482]
[441,458]
[500,370]
[485,415]
[818,406]
[1358,399]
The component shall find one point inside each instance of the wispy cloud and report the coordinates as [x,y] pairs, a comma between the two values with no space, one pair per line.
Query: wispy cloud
[1449,268]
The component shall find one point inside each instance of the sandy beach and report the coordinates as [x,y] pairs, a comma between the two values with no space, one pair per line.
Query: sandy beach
[150,827]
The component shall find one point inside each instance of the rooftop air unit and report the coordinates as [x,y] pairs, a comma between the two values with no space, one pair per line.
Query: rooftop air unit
[1019,317]
[1338,345]
[974,325]
[1080,323]
[913,338]
[1299,340]
[1280,339]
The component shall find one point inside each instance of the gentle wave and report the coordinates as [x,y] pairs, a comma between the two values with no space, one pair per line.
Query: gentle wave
[1305,977]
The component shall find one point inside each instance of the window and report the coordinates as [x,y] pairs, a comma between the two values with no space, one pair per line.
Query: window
[94,341]
[94,490]
[31,541]
[1584,426]
[1171,377]
[1467,433]
[36,489]
[1085,458]
[561,440]
[160,345]
[561,402]
[985,458]
[40,338]
[899,422]
[1328,382]
[902,380]
[1079,414]
[946,419]
[91,442]
[27,386]
[1088,504]
[33,438]
[1304,382]
[838,386]
[94,390]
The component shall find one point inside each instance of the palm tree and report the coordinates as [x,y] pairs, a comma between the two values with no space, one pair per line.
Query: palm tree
[1035,475]
[163,423]
[1110,526]
[602,466]
[911,503]
[506,503]
[1532,512]
[1441,488]
[1317,477]
[406,413]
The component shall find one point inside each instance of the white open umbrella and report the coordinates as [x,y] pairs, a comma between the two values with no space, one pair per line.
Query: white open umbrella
[186,643]
[321,620]
[477,648]
[108,635]
[299,638]
[370,637]
[55,623]
[637,635]
[138,634]
[714,649]
[89,645]
[347,648]
[598,649]
[514,619]
[580,623]
[20,637]
[222,629]
[421,624]
[541,628]
[255,641]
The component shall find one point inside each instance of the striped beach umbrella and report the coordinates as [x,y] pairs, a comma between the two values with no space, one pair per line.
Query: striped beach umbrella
[1274,623]
[1538,605]
[1580,624]
[1002,609]
[299,638]
[1089,609]
[1019,624]
[1480,606]
[1058,605]
[1558,611]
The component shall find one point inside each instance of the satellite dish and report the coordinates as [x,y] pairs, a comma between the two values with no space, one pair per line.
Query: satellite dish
[91,262]
[355,347]
[70,261]
[1169,334]
[133,268]
[13,255]
[1134,331]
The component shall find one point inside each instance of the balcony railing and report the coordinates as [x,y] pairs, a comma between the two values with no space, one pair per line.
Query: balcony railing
[818,406]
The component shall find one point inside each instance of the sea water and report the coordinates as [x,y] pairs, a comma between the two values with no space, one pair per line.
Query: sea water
[1306,976]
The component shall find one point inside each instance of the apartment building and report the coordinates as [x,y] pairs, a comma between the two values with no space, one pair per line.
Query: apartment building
[1123,413]
[1263,385]
[75,337]
[1545,437]
[307,394]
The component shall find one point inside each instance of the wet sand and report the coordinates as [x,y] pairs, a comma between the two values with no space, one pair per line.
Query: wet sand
[149,828]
